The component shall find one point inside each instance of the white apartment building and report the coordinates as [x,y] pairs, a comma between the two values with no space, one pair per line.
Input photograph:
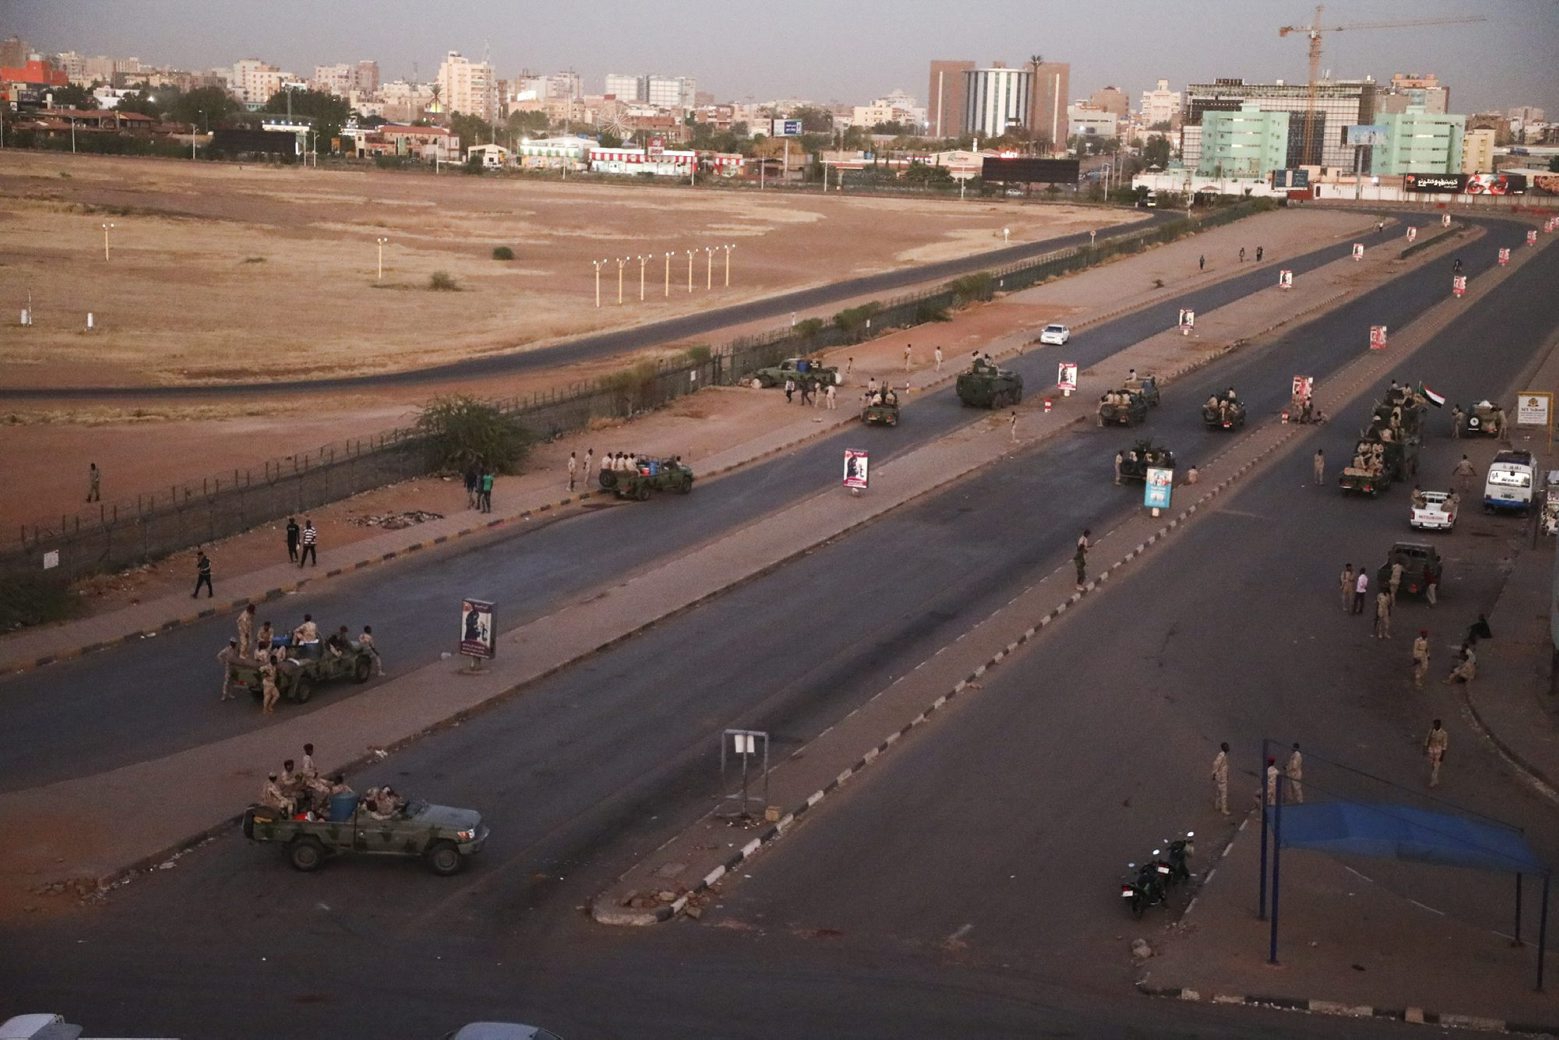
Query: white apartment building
[403,101]
[1478,151]
[1088,121]
[895,107]
[995,100]
[253,81]
[670,91]
[624,88]
[344,79]
[1160,105]
[469,87]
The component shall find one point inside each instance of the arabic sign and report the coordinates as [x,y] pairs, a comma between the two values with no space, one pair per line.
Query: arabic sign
[1066,375]
[857,469]
[477,638]
[1158,487]
[1412,234]
[1187,318]
[1535,408]
[1285,279]
[1303,387]
[1377,337]
[1437,183]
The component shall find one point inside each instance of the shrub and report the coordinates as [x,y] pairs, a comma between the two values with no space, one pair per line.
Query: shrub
[972,288]
[462,431]
[809,327]
[926,311]
[503,253]
[698,355]
[854,321]
[442,281]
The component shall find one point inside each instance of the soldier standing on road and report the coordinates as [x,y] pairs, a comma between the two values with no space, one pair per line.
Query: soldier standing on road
[202,574]
[293,534]
[229,655]
[1361,588]
[366,641]
[310,544]
[1431,582]
[1319,465]
[849,364]
[263,641]
[1457,415]
[1435,745]
[1201,263]
[1221,779]
[269,693]
[1396,579]
[1242,254]
[1420,658]
[1119,458]
[589,464]
[573,465]
[1347,587]
[246,631]
[1382,614]
[1259,251]
[1464,472]
[94,483]
[1294,769]
[936,353]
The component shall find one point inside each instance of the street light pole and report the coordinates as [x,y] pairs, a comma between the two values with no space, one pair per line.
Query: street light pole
[106,229]
[380,276]
[642,261]
[598,264]
[668,274]
[689,270]
[728,249]
[620,261]
[709,270]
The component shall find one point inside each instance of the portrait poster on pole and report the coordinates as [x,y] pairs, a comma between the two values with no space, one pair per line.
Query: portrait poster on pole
[477,637]
[1066,375]
[1158,487]
[1377,337]
[1285,279]
[857,469]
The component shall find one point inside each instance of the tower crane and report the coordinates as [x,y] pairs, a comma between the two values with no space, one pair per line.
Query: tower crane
[1313,32]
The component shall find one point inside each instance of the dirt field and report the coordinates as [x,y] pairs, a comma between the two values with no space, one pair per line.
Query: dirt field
[220,273]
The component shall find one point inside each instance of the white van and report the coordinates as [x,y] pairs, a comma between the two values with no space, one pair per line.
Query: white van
[1509,483]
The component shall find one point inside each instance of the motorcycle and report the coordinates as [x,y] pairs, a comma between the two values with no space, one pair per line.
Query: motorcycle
[1180,852]
[1141,887]
[1163,870]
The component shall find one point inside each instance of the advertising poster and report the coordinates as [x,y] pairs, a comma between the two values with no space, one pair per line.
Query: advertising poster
[477,636]
[1158,487]
[1535,408]
[1504,256]
[857,469]
[1358,250]
[1066,375]
[1285,279]
[1459,285]
[1377,337]
[1187,319]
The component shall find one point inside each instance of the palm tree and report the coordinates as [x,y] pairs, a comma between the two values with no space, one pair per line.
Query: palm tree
[1035,61]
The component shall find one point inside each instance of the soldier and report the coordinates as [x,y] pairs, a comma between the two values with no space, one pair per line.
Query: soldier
[307,632]
[1466,669]
[1435,745]
[907,350]
[246,630]
[589,464]
[229,655]
[262,644]
[1191,475]
[1420,658]
[1221,779]
[849,365]
[1318,465]
[1382,614]
[366,641]
[1431,581]
[573,464]
[1119,458]
[338,643]
[307,767]
[1294,770]
[272,797]
[94,483]
[202,574]
[1347,586]
[1464,472]
[1396,579]
[1457,418]
[832,394]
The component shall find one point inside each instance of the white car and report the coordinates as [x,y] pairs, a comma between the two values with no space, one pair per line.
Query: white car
[1436,513]
[1055,335]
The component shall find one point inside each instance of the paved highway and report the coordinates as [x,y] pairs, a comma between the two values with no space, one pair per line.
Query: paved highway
[107,710]
[842,929]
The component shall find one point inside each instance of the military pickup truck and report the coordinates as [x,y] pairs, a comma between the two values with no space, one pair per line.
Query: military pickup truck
[1418,560]
[444,837]
[1147,386]
[1223,413]
[881,409]
[304,668]
[797,368]
[1485,420]
[986,386]
[1122,408]
[652,475]
[1144,455]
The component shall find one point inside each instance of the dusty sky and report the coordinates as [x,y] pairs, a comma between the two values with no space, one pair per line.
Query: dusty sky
[829,50]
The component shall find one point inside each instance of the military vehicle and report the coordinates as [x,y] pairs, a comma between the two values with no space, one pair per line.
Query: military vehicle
[1145,455]
[881,408]
[1416,558]
[1147,386]
[1386,451]
[442,836]
[650,476]
[986,386]
[304,668]
[1122,408]
[1223,412]
[797,368]
[1485,420]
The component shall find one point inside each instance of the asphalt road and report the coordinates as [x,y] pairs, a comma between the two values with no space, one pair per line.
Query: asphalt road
[842,928]
[106,710]
[618,341]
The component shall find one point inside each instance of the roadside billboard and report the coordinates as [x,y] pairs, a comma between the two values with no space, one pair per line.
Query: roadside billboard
[1435,183]
[784,128]
[1158,487]
[1291,178]
[1066,375]
[1026,170]
[1377,337]
[1368,134]
[1496,184]
[857,469]
[477,638]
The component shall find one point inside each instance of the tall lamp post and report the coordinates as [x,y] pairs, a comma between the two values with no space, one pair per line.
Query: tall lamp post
[690,270]
[106,229]
[728,249]
[669,255]
[642,261]
[193,130]
[709,270]
[598,265]
[620,261]
[380,276]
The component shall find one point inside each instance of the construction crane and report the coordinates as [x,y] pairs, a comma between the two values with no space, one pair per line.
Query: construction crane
[1314,30]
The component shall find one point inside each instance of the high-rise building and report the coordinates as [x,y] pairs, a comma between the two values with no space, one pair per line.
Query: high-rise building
[995,100]
[624,88]
[14,52]
[945,98]
[669,91]
[365,77]
[1413,89]
[1244,143]
[1339,104]
[1052,87]
[253,81]
[468,87]
[1160,105]
[1478,151]
[344,79]
[1111,99]
[1420,142]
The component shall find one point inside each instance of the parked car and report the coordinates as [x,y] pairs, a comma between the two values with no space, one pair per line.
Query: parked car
[1434,511]
[1055,335]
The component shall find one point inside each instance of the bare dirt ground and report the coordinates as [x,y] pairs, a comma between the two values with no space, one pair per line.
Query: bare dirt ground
[221,272]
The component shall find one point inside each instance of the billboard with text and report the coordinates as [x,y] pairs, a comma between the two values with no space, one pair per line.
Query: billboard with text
[1024,170]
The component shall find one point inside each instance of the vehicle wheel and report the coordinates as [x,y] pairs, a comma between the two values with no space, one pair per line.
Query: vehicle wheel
[306,854]
[756,384]
[642,492]
[444,858]
[685,487]
[361,670]
[302,690]
[608,479]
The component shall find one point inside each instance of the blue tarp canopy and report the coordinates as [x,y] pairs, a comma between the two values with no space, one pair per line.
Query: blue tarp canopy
[1387,831]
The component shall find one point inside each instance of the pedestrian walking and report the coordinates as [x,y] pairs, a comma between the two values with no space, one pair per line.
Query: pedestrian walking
[1080,558]
[487,489]
[229,655]
[589,464]
[1242,254]
[1318,466]
[1464,472]
[1420,659]
[1221,779]
[833,397]
[1119,458]
[310,551]
[246,630]
[1272,782]
[1382,614]
[293,533]
[936,354]
[1361,588]
[366,641]
[1259,251]
[473,486]
[1466,669]
[1396,579]
[1347,587]
[790,389]
[1201,263]
[1436,743]
[849,365]
[573,465]
[1012,426]
[907,352]
[1294,770]
[806,391]
[202,574]
[94,483]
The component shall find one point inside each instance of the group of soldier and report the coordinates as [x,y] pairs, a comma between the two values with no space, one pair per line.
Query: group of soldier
[300,789]
[262,647]
[809,386]
[1293,772]
[1492,418]
[1224,406]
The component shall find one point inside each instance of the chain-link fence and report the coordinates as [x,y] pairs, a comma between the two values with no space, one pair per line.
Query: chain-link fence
[161,523]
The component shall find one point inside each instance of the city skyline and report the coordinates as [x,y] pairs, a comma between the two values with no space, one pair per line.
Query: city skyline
[831,54]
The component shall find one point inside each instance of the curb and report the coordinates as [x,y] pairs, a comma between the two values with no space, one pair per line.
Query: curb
[1418,1016]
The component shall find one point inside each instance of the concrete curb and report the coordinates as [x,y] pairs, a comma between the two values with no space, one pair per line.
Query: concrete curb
[1418,1016]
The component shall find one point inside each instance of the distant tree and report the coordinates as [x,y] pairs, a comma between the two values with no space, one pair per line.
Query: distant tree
[145,102]
[610,140]
[894,127]
[814,120]
[462,432]
[527,123]
[72,96]
[205,106]
[328,111]
[472,130]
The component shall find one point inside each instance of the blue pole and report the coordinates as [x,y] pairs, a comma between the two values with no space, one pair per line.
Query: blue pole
[1277,862]
[1542,932]
[1518,911]
[1261,799]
